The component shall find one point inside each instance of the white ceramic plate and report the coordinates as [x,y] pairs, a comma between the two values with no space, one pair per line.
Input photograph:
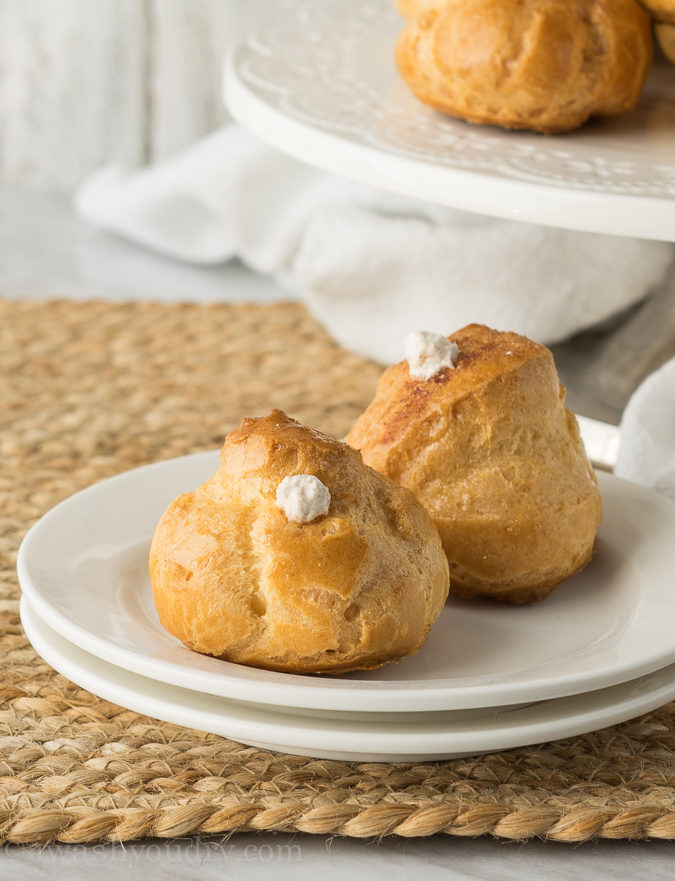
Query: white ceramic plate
[320,84]
[401,737]
[83,567]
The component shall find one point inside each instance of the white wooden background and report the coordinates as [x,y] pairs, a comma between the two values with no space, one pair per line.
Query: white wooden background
[83,82]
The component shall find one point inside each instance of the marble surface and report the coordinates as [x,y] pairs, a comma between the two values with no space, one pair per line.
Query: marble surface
[46,252]
[295,858]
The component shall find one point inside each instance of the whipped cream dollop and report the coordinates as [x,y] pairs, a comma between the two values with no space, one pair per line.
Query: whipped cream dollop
[303,498]
[428,353]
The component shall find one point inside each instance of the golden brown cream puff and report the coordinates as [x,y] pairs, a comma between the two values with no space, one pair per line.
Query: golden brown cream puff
[475,425]
[296,556]
[543,65]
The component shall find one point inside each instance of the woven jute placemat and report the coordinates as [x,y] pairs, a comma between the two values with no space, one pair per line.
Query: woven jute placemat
[88,390]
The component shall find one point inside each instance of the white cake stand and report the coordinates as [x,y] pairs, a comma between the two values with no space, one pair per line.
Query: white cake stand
[320,84]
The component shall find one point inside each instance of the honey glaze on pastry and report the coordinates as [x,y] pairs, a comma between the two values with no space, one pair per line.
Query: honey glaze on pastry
[542,65]
[487,445]
[295,556]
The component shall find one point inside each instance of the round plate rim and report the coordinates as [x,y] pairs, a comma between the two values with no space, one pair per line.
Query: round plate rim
[294,690]
[352,739]
[582,209]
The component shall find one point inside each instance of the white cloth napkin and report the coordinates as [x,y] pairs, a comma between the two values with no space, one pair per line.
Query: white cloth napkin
[370,266]
[647,447]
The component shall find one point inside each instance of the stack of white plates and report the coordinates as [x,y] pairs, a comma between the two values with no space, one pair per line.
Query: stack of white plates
[599,651]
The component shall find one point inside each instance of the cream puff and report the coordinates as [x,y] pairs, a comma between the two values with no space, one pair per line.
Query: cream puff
[665,37]
[296,556]
[475,425]
[660,10]
[542,65]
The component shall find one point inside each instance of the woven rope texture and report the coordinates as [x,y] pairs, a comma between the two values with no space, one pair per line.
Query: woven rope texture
[88,390]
